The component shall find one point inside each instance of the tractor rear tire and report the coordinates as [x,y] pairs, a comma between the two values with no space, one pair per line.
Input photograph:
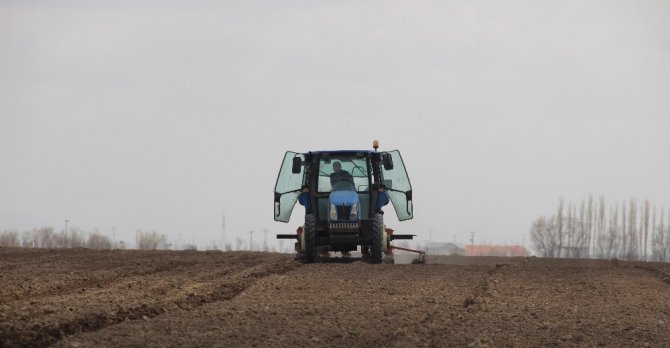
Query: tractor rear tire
[311,251]
[376,240]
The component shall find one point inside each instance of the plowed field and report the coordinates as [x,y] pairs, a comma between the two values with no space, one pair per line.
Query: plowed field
[84,298]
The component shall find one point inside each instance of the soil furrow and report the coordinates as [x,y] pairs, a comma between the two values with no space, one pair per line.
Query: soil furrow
[656,272]
[244,299]
[188,285]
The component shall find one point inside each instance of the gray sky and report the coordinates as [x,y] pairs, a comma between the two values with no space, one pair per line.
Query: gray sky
[166,115]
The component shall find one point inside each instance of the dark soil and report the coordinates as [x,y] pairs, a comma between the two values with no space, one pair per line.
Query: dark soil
[83,298]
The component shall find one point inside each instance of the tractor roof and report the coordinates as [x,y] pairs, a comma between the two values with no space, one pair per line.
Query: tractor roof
[342,152]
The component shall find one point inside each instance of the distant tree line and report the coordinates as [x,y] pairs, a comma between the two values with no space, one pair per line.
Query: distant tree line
[45,237]
[594,229]
[74,237]
[151,240]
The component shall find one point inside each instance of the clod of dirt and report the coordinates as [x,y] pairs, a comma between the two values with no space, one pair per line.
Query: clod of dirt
[469,301]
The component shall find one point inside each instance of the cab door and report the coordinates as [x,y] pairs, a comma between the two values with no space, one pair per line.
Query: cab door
[288,186]
[398,186]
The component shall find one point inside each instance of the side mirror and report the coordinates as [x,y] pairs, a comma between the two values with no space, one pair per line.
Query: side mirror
[297,165]
[387,160]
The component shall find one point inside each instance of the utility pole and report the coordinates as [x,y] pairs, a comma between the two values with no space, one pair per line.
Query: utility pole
[265,239]
[251,240]
[66,221]
[472,243]
[223,232]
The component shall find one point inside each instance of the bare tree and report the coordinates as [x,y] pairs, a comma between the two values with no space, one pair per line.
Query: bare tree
[96,240]
[590,217]
[43,237]
[568,250]
[151,240]
[582,233]
[544,237]
[75,238]
[624,236]
[653,221]
[27,240]
[601,230]
[659,241]
[645,229]
[9,239]
[633,247]
[617,239]
[538,238]
[559,227]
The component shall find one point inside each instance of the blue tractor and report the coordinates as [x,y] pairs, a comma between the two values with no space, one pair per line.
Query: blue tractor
[343,193]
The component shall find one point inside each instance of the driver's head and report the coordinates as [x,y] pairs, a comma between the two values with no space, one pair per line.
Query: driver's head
[337,166]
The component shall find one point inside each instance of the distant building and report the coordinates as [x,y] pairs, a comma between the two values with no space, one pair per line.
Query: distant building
[435,248]
[495,250]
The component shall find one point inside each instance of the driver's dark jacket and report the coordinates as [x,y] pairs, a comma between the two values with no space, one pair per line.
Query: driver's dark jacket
[342,175]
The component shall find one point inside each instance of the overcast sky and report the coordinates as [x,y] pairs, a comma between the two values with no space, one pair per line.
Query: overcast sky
[166,115]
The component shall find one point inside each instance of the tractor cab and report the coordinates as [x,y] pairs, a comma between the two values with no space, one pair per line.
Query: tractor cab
[343,193]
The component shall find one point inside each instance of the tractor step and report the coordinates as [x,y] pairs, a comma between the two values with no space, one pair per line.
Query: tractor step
[401,236]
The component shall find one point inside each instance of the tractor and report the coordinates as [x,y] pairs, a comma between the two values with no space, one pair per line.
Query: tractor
[343,193]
